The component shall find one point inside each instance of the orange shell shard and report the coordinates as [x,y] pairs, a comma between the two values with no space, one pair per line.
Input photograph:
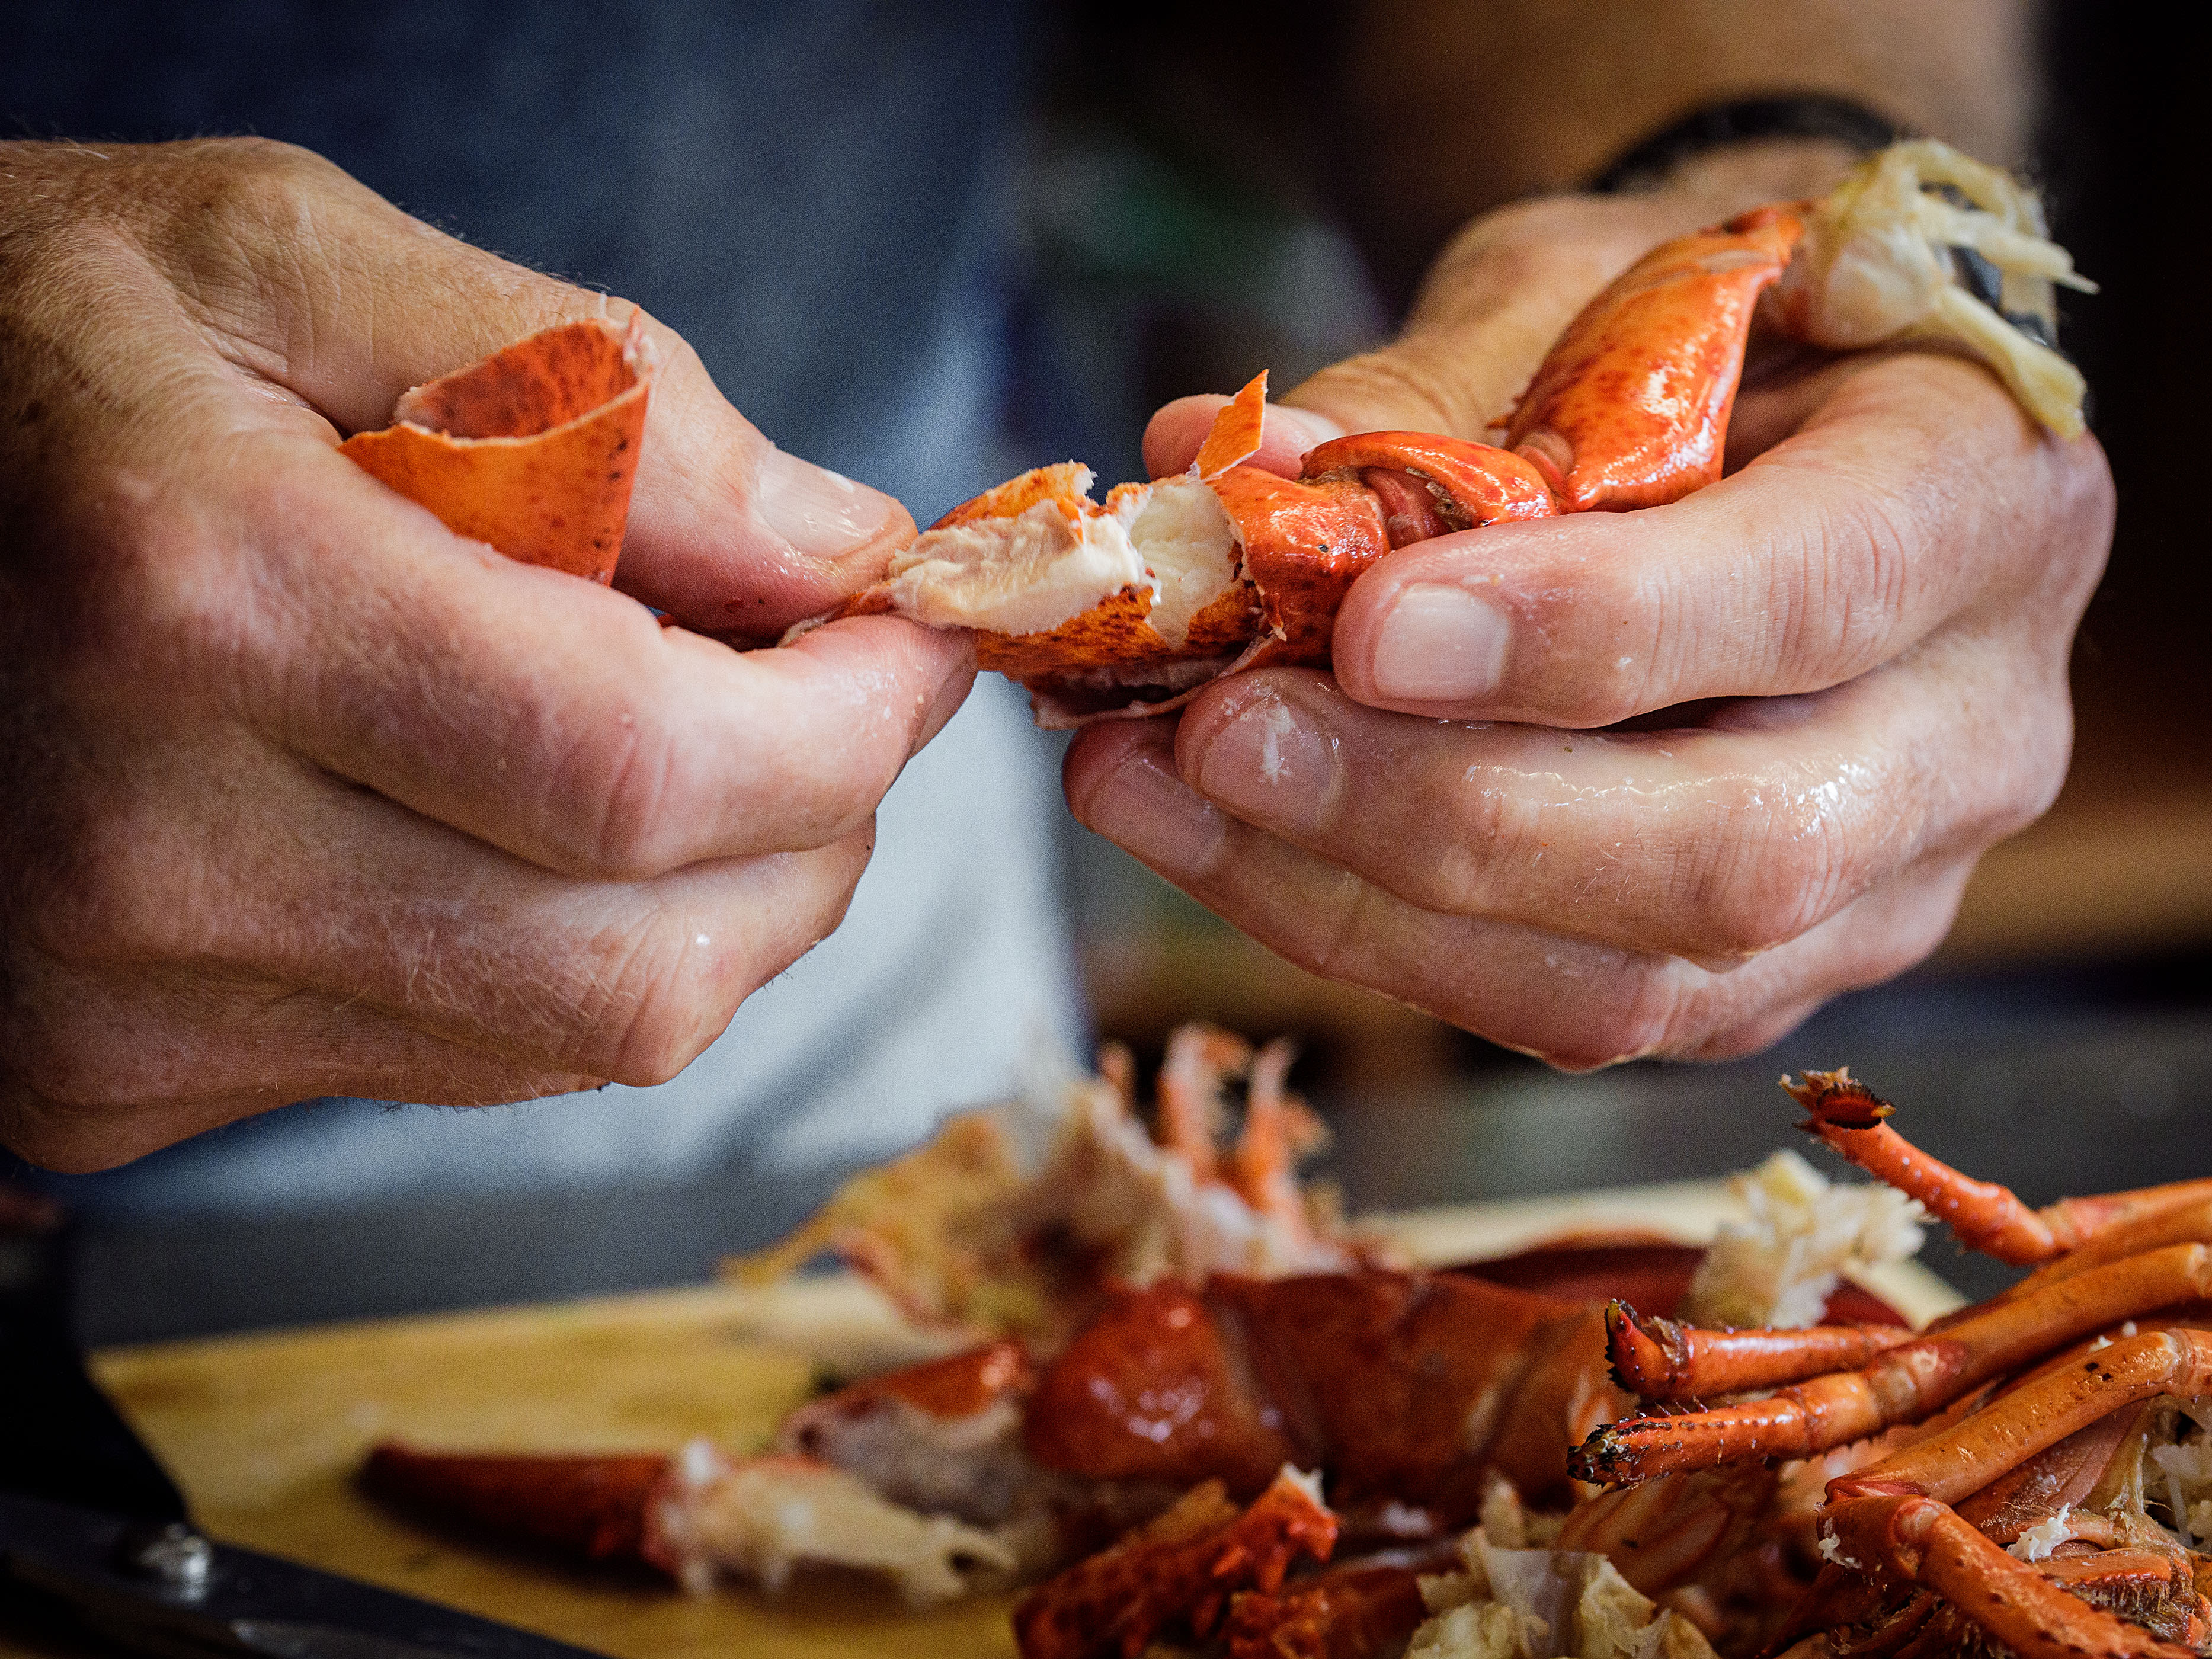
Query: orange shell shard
[533,450]
[1234,437]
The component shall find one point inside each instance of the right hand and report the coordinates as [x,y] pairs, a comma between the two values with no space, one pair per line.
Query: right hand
[305,794]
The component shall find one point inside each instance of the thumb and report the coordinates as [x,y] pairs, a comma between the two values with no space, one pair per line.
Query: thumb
[726,532]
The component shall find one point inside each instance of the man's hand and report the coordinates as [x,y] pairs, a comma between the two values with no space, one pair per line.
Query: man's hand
[1614,785]
[304,794]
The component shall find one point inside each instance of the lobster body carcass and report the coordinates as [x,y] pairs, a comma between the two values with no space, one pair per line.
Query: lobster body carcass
[1202,1327]
[1409,1390]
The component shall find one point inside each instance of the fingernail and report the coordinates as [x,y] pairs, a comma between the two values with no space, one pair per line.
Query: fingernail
[1267,764]
[1438,644]
[823,515]
[1307,428]
[951,692]
[1148,810]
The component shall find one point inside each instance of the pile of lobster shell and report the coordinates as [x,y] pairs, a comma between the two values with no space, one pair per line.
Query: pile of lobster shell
[2022,1475]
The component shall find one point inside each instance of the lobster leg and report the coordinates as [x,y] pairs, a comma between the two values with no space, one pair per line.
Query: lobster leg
[1922,1540]
[597,1507]
[1656,1359]
[696,1515]
[1905,1384]
[1896,1514]
[2015,1427]
[1851,1118]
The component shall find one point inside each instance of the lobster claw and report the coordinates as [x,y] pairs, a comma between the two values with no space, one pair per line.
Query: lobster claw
[1631,408]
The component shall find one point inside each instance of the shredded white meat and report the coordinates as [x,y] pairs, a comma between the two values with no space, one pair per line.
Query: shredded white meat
[1171,542]
[758,1518]
[1111,1186]
[1779,1266]
[2036,1542]
[1538,1603]
[1878,264]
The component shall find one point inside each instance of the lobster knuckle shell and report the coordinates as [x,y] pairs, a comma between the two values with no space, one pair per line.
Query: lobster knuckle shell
[1304,543]
[1178,1574]
[533,450]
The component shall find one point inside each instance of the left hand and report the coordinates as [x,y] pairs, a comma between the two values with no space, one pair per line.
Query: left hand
[1858,639]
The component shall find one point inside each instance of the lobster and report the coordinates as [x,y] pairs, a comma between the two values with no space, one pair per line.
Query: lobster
[2057,1421]
[1127,607]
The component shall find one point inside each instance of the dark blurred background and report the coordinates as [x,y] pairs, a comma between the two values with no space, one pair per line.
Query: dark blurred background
[1164,242]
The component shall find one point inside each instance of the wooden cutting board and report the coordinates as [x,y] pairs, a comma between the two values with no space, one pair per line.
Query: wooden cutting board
[264,1431]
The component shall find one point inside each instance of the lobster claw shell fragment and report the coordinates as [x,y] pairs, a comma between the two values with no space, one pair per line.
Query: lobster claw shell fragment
[1126,607]
[532,450]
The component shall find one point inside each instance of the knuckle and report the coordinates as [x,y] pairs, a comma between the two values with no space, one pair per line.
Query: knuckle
[1767,873]
[1614,636]
[1394,386]
[1494,829]
[1837,604]
[1632,1013]
[2083,502]
[646,1015]
[255,180]
[240,193]
[62,1050]
[111,895]
[628,775]
[1641,1018]
[145,589]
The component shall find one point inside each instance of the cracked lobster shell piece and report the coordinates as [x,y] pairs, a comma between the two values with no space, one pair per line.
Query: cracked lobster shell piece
[532,450]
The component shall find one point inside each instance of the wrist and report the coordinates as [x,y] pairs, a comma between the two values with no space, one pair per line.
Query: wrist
[1715,184]
[1779,124]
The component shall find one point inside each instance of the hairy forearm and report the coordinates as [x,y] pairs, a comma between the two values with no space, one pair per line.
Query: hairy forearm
[1453,109]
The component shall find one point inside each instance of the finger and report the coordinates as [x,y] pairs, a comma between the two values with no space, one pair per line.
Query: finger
[1918,493]
[1573,1002]
[340,894]
[546,715]
[1173,435]
[1710,841]
[104,1067]
[725,531]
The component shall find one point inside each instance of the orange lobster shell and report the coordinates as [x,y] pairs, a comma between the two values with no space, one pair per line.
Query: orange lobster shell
[532,450]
